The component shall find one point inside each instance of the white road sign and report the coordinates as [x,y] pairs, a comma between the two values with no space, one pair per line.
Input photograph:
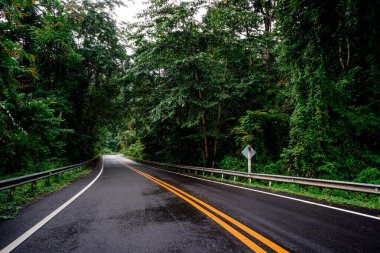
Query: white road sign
[249,152]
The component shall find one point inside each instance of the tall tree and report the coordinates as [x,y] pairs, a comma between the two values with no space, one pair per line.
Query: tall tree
[329,49]
[56,87]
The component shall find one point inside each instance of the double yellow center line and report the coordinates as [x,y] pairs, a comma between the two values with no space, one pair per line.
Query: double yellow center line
[212,213]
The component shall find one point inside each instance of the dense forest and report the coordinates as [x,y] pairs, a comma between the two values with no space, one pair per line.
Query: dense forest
[61,64]
[193,82]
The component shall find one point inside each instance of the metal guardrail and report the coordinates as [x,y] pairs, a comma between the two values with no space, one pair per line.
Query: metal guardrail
[17,181]
[333,184]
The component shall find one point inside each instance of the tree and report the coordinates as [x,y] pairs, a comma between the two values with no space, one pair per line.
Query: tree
[56,86]
[332,106]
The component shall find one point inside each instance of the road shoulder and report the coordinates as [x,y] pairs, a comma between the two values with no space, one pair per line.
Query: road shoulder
[38,210]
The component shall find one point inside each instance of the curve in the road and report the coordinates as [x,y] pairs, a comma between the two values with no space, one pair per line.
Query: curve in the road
[157,211]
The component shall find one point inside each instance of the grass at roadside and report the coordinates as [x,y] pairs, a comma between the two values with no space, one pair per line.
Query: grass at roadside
[334,196]
[26,194]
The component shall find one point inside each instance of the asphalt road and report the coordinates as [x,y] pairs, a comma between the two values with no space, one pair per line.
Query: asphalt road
[134,208]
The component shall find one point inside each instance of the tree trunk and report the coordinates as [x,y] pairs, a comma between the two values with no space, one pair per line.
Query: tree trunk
[347,55]
[216,138]
[204,126]
[340,56]
[348,52]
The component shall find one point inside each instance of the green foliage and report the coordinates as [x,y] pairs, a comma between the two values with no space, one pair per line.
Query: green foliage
[188,77]
[59,67]
[134,150]
[298,80]
[233,163]
[327,65]
[266,131]
[369,175]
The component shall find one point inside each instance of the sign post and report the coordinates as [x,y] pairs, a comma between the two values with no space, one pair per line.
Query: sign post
[249,161]
[249,152]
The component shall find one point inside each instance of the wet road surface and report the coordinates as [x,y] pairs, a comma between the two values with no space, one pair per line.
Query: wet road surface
[135,208]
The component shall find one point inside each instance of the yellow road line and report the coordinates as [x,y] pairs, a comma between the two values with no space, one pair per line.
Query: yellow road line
[248,230]
[223,224]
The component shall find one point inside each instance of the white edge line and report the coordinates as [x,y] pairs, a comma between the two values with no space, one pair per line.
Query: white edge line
[268,193]
[32,230]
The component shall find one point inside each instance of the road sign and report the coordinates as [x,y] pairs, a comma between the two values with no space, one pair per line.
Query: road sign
[248,152]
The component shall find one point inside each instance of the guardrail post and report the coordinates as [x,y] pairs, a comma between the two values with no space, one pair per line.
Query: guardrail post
[270,184]
[47,181]
[234,178]
[56,178]
[11,194]
[33,186]
[222,176]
